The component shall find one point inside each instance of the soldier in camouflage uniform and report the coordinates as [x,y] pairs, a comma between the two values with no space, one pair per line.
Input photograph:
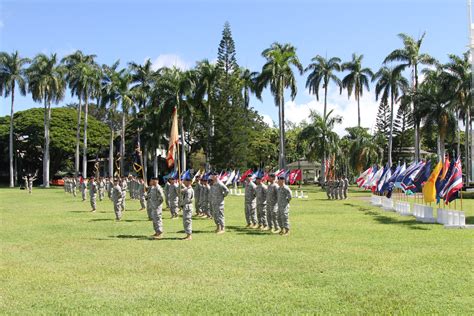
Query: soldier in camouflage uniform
[124,192]
[204,197]
[187,206]
[250,202]
[345,186]
[93,193]
[142,194]
[197,194]
[217,194]
[173,197]
[110,187]
[155,198]
[101,188]
[261,193]
[74,186]
[341,188]
[284,198]
[84,189]
[272,206]
[167,192]
[117,198]
[328,189]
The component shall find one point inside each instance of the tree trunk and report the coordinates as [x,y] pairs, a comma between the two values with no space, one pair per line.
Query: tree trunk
[209,132]
[466,146]
[122,145]
[458,135]
[414,80]
[358,110]
[84,149]
[145,163]
[281,160]
[390,136]
[111,152]
[78,139]
[325,98]
[47,122]
[155,163]
[417,141]
[10,139]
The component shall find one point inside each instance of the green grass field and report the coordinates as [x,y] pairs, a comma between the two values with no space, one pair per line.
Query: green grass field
[341,257]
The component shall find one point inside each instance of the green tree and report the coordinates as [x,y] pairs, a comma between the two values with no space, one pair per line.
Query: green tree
[390,83]
[357,78]
[278,73]
[12,75]
[410,57]
[323,70]
[46,84]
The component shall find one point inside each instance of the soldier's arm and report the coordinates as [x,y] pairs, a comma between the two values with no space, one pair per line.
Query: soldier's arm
[225,190]
[288,195]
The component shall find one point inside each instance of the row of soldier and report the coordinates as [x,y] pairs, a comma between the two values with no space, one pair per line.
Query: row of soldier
[337,189]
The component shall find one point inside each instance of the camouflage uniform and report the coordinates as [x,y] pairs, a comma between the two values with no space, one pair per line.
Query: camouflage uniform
[328,189]
[217,194]
[117,200]
[173,199]
[250,203]
[142,192]
[204,199]
[187,205]
[167,192]
[261,192]
[341,189]
[272,206]
[74,186]
[197,200]
[84,190]
[345,187]
[284,198]
[155,205]
[92,194]
[124,193]
[101,189]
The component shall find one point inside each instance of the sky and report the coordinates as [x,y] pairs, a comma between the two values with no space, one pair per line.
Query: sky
[182,32]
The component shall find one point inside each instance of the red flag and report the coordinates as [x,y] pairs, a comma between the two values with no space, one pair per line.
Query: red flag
[295,175]
[174,139]
[245,174]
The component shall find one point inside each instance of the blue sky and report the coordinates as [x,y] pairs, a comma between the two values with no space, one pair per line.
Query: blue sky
[183,32]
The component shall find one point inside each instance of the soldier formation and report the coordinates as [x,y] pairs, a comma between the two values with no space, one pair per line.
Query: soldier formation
[266,205]
[337,189]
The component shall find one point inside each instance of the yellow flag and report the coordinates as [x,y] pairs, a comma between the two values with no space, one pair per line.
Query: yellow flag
[429,189]
[174,139]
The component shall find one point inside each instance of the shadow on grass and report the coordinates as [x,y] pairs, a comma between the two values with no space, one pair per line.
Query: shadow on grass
[113,220]
[247,231]
[387,220]
[469,219]
[143,237]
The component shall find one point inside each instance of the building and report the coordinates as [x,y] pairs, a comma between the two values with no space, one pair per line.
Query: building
[309,170]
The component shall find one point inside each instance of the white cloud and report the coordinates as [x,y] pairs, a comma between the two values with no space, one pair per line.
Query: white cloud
[267,119]
[169,60]
[347,108]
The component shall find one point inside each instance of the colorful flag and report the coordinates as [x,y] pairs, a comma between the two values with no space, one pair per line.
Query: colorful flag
[174,139]
[363,177]
[230,178]
[245,174]
[236,178]
[370,176]
[429,188]
[410,174]
[387,174]
[401,174]
[421,177]
[453,184]
[295,175]
[137,159]
[446,166]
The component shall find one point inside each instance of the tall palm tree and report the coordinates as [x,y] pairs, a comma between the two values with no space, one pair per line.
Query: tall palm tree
[12,75]
[321,139]
[278,73]
[75,65]
[357,78]
[249,81]
[458,72]
[323,70]
[390,83]
[46,84]
[411,57]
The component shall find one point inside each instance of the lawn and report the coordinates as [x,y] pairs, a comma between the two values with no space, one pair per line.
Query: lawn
[341,257]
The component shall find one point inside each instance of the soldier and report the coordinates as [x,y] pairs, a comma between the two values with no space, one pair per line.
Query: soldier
[261,193]
[25,178]
[101,185]
[204,197]
[272,206]
[31,179]
[336,189]
[345,186]
[124,192]
[110,187]
[167,187]
[217,194]
[66,184]
[74,186]
[84,189]
[142,194]
[341,188]
[155,196]
[93,193]
[197,194]
[117,198]
[250,202]
[173,197]
[284,198]
[328,189]
[187,206]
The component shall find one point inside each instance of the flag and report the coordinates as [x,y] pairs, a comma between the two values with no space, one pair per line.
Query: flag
[401,174]
[236,178]
[363,177]
[375,178]
[421,177]
[117,165]
[265,176]
[453,184]
[429,189]
[224,176]
[294,176]
[446,166]
[370,176]
[387,174]
[186,175]
[441,182]
[230,178]
[245,174]
[199,173]
[388,185]
[174,139]
[137,159]
[407,182]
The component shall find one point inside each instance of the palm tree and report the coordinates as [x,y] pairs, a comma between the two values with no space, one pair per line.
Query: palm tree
[323,70]
[458,73]
[321,139]
[410,57]
[356,80]
[390,82]
[249,81]
[278,73]
[12,74]
[364,149]
[46,84]
[76,65]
